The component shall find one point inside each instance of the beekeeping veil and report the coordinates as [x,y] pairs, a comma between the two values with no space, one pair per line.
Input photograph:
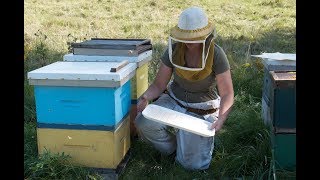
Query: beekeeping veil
[193,27]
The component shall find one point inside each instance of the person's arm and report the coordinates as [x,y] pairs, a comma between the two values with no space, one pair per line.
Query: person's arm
[156,88]
[225,88]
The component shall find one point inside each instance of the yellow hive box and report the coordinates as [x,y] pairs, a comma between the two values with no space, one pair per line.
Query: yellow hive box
[139,82]
[90,148]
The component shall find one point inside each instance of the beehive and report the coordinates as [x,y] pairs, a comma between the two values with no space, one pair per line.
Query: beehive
[279,110]
[139,82]
[268,85]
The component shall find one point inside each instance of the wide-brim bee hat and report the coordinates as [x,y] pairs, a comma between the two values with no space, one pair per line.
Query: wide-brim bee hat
[193,24]
[193,27]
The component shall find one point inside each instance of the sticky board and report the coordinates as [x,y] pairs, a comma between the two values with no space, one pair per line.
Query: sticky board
[178,120]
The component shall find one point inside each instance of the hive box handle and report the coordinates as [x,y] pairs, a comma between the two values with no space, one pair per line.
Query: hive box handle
[122,64]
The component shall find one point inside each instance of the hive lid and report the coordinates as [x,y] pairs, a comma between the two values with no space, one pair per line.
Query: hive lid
[140,60]
[112,47]
[63,70]
[277,56]
[106,43]
[278,61]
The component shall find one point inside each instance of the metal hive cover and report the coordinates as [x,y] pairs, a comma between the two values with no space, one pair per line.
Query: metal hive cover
[103,43]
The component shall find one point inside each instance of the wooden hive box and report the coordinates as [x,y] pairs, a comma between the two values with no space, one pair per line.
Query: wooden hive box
[90,148]
[284,149]
[82,93]
[279,104]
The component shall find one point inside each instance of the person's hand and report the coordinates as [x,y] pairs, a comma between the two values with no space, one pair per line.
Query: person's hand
[217,125]
[143,102]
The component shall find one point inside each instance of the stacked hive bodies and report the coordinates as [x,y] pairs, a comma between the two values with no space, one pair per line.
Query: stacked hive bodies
[279,110]
[139,82]
[83,107]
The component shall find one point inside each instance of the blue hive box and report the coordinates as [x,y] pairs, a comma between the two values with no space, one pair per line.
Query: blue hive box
[82,94]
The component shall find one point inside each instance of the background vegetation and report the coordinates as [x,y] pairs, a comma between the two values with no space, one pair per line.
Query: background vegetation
[244,27]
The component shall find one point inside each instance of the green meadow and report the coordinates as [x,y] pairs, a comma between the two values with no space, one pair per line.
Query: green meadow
[244,28]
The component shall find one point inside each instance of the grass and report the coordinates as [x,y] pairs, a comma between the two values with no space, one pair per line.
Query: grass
[244,27]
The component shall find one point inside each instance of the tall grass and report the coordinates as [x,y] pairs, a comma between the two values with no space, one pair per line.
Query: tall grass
[245,27]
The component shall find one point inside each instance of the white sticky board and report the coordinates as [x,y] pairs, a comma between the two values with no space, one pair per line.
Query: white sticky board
[178,120]
[63,70]
[131,59]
